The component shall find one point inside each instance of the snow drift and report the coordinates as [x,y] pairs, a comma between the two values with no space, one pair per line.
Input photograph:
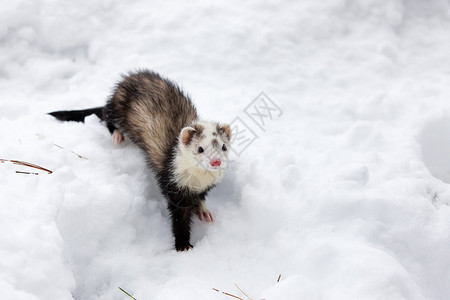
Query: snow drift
[345,194]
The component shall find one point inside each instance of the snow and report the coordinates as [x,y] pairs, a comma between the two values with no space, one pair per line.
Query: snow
[345,194]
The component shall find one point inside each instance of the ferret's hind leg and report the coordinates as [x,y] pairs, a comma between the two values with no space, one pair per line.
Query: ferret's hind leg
[108,116]
[117,137]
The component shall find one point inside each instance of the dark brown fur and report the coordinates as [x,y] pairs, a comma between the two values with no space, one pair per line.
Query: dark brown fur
[151,111]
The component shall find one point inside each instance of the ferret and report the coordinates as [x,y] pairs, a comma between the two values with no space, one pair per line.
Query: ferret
[187,155]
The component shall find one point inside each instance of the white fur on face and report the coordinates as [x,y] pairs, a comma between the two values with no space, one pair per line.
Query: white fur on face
[193,169]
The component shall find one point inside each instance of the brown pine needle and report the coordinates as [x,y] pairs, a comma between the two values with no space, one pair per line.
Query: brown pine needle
[27,173]
[279,277]
[80,156]
[228,294]
[26,164]
[242,291]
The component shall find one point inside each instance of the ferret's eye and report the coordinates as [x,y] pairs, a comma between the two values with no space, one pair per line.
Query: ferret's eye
[224,148]
[200,150]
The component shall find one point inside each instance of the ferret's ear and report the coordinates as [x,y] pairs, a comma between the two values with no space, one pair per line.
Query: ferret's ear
[225,130]
[186,135]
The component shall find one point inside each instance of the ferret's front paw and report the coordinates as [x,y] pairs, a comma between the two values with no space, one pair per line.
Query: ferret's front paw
[117,137]
[204,215]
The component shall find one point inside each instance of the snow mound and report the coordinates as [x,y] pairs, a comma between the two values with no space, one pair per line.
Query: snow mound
[435,146]
[346,193]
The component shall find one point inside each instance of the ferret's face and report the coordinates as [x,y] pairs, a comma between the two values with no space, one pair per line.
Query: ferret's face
[207,144]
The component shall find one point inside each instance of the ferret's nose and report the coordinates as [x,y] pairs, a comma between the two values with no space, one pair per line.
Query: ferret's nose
[216,162]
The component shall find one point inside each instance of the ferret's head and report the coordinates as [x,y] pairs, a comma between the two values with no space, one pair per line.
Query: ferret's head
[207,143]
[203,149]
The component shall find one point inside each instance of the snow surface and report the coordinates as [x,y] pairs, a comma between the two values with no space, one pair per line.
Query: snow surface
[346,194]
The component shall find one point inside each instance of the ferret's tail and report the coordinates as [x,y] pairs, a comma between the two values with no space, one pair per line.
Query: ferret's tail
[78,115]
